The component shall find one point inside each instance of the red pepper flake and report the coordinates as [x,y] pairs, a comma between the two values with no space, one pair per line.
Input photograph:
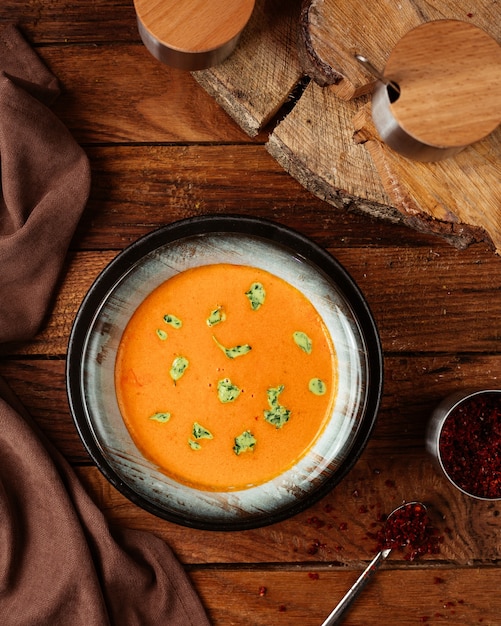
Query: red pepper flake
[363,509]
[328,508]
[262,591]
[409,529]
[343,526]
[313,575]
[282,608]
[315,547]
[469,445]
[425,619]
[315,522]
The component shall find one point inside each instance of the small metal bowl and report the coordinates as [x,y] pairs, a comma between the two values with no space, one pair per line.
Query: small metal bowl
[461,439]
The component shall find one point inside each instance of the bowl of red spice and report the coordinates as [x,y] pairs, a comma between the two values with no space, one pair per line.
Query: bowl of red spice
[464,437]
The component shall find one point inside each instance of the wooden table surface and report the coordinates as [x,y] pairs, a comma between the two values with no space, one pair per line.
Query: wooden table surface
[160,150]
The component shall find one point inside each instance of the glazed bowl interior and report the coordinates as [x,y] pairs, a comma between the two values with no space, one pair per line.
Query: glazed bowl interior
[140,269]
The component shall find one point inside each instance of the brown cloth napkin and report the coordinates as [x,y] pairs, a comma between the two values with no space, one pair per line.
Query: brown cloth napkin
[60,563]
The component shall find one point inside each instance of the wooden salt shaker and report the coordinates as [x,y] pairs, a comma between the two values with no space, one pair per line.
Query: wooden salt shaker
[192,34]
[441,90]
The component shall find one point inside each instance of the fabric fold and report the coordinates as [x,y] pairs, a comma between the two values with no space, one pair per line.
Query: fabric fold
[60,562]
[45,182]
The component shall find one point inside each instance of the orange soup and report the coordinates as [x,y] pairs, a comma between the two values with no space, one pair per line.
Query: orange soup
[225,376]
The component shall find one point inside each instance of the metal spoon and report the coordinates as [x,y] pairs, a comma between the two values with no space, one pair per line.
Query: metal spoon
[391,84]
[336,615]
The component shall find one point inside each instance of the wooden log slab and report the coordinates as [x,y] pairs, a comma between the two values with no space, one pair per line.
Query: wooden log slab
[319,151]
[257,79]
[333,31]
[327,141]
[459,197]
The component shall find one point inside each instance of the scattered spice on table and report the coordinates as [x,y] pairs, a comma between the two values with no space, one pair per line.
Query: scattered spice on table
[316,522]
[315,546]
[470,444]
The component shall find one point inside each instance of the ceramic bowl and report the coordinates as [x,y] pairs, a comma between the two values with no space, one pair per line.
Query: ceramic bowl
[464,439]
[135,273]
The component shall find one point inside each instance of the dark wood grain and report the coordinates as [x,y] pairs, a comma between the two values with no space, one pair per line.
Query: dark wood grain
[138,188]
[120,93]
[161,150]
[337,529]
[60,22]
[414,385]
[427,597]
[437,291]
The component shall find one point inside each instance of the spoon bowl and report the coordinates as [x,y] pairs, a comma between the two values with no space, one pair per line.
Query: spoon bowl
[405,527]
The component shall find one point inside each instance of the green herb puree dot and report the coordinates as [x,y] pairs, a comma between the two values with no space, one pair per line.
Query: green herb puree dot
[244,443]
[227,391]
[317,386]
[199,432]
[161,334]
[163,418]
[173,321]
[216,317]
[178,367]
[278,415]
[233,353]
[256,295]
[303,341]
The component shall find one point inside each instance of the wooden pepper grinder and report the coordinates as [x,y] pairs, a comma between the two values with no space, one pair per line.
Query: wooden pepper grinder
[192,34]
[440,90]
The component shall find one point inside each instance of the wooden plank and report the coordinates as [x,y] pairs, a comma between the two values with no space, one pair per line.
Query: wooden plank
[414,385]
[409,597]
[136,189]
[441,310]
[340,528]
[121,93]
[59,21]
[41,388]
[252,85]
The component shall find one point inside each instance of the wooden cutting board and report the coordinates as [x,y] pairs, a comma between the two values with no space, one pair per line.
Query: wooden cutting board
[324,135]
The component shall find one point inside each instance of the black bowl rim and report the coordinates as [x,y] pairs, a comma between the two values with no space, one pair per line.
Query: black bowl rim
[269,231]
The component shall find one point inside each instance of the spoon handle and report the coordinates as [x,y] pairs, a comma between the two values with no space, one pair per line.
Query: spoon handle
[357,587]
